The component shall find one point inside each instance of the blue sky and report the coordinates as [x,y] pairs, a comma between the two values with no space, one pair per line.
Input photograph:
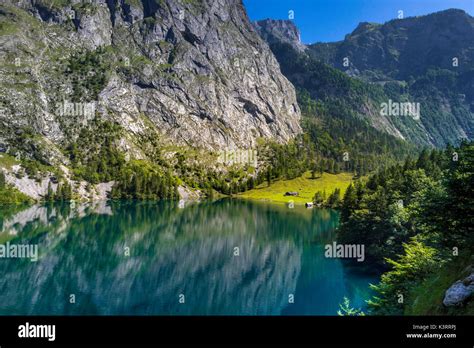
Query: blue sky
[331,20]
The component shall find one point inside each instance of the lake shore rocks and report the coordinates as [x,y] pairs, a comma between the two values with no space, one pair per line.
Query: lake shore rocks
[460,292]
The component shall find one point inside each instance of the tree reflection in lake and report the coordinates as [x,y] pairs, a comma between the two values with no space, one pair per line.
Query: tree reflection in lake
[228,257]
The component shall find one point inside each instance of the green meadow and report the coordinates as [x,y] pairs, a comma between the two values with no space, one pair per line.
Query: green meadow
[304,185]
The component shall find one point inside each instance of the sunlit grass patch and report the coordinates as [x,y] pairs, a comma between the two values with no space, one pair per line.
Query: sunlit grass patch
[304,185]
[7,161]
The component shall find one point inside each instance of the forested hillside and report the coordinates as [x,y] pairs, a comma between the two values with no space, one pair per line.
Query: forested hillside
[338,114]
[424,59]
[415,220]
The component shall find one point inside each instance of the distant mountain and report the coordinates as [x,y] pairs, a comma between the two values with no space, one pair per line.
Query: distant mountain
[339,114]
[426,61]
[404,48]
[274,31]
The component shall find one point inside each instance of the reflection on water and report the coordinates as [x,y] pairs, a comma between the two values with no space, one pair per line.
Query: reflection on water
[137,258]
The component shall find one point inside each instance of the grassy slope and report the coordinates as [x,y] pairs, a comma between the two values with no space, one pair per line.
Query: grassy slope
[10,195]
[7,161]
[306,187]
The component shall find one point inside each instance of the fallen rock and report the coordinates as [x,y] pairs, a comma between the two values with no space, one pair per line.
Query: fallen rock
[460,292]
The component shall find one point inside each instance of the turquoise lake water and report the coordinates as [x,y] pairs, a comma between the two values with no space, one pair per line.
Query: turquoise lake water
[228,257]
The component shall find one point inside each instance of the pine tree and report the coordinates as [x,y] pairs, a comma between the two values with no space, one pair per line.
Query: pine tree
[318,198]
[50,193]
[164,192]
[59,195]
[359,188]
[349,203]
[67,192]
[176,192]
[314,170]
[2,179]
[423,159]
[251,183]
[243,187]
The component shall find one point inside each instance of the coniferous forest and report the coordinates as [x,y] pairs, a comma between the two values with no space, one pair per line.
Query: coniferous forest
[415,219]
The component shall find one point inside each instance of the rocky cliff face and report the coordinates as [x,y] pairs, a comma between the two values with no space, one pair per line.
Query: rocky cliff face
[194,71]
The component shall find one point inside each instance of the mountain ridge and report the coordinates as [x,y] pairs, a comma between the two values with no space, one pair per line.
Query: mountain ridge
[368,55]
[382,41]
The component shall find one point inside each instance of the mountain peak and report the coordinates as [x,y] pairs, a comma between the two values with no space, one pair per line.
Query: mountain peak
[453,11]
[427,53]
[280,30]
[365,26]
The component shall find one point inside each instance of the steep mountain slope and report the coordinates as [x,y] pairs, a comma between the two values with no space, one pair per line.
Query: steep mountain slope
[339,113]
[134,99]
[402,48]
[402,61]
[194,70]
[427,60]
[347,98]
[274,31]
